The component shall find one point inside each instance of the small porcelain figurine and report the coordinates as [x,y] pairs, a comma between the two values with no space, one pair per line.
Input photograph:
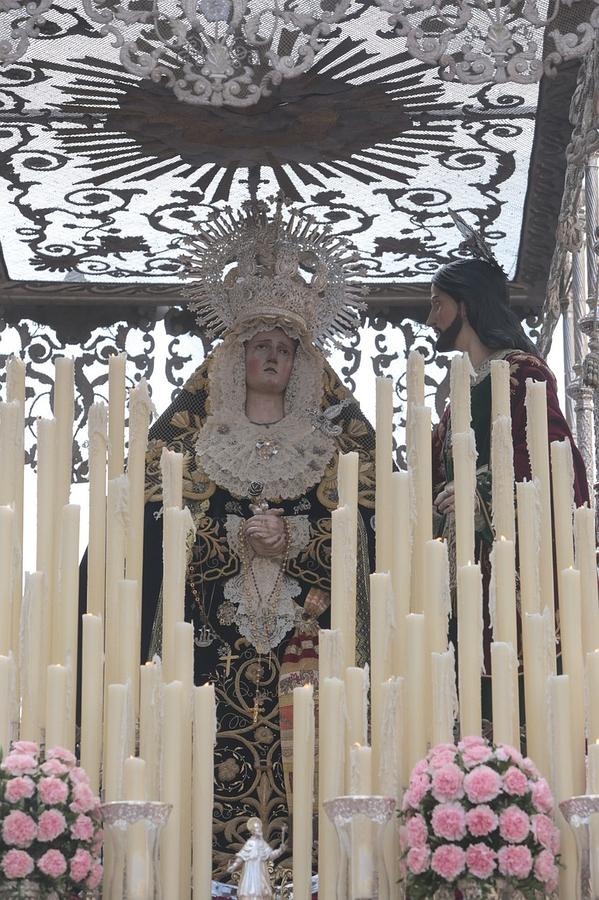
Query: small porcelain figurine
[254,856]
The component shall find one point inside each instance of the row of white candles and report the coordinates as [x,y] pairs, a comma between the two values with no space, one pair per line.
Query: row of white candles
[412,666]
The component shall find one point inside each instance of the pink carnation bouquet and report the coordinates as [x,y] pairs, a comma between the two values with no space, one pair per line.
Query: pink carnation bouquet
[478,815]
[50,829]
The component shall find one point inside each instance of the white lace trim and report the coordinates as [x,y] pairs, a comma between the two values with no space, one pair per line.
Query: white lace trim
[227,448]
[262,621]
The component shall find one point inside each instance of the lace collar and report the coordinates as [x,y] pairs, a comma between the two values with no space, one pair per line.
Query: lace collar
[484,369]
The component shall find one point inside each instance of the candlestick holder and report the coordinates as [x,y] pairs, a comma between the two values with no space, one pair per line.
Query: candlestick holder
[131,849]
[579,813]
[359,823]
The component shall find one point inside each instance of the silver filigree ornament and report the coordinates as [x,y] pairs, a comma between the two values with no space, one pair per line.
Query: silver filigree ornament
[486,41]
[218,52]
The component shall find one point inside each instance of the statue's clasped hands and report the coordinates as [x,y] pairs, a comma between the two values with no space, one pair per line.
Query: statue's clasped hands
[265,533]
[445,500]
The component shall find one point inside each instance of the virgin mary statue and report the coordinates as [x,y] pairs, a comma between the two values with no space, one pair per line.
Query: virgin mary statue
[260,425]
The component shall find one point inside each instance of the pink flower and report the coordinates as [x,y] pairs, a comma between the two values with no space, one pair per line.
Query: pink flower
[476,754]
[448,861]
[83,797]
[17,864]
[418,860]
[53,791]
[98,841]
[81,863]
[482,784]
[25,747]
[541,796]
[19,788]
[79,775]
[449,821]
[83,829]
[442,755]
[545,867]
[20,764]
[54,767]
[19,829]
[421,768]
[515,782]
[530,768]
[95,877]
[515,862]
[60,753]
[50,825]
[416,791]
[511,753]
[471,740]
[416,831]
[481,860]
[514,825]
[544,830]
[448,783]
[52,863]
[481,820]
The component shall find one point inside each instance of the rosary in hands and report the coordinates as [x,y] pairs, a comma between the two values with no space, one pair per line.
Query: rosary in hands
[266,534]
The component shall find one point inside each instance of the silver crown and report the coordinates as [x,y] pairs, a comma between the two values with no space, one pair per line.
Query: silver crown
[264,263]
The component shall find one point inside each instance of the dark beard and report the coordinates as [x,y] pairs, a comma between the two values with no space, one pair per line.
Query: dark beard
[446,340]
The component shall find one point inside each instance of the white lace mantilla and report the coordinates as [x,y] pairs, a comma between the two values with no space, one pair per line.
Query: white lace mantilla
[261,619]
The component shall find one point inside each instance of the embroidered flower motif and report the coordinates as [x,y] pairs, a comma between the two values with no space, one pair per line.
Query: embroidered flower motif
[228,770]
[264,735]
[226,613]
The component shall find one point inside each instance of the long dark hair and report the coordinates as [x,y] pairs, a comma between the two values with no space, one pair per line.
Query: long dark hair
[482,288]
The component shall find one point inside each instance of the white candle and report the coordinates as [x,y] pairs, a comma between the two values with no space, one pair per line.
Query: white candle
[177,524]
[171,467]
[330,653]
[393,735]
[593,788]
[500,388]
[562,480]
[184,664]
[362,857]
[116,414]
[356,699]
[31,657]
[347,487]
[470,647]
[129,638]
[46,555]
[361,770]
[563,780]
[138,861]
[9,443]
[204,739]
[538,450]
[502,485]
[586,563]
[63,411]
[115,745]
[504,663]
[415,393]
[384,469]
[343,600]
[15,393]
[7,541]
[7,678]
[96,552]
[464,470]
[538,643]
[56,707]
[116,522]
[460,376]
[437,599]
[502,609]
[303,790]
[421,483]
[444,697]
[382,627]
[331,762]
[529,526]
[401,566]
[92,698]
[171,786]
[573,666]
[66,608]
[418,710]
[150,738]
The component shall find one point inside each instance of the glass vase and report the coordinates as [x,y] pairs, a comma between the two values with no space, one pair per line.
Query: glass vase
[581,815]
[360,823]
[131,849]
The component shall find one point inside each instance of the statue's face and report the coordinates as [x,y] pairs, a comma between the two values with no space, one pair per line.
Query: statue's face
[269,357]
[256,828]
[445,318]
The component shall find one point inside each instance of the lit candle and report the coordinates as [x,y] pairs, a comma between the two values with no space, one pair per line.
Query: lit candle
[504,663]
[464,470]
[204,739]
[500,388]
[470,644]
[331,762]
[382,626]
[460,376]
[529,526]
[573,666]
[538,450]
[502,485]
[401,566]
[7,538]
[150,738]
[116,414]
[171,467]
[444,697]
[421,484]
[343,600]
[384,469]
[31,657]
[562,480]
[171,786]
[96,551]
[303,790]
[538,642]
[92,698]
[563,783]
[418,709]
[586,563]
[56,707]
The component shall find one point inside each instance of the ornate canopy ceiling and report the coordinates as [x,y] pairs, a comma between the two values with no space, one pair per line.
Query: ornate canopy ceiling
[102,173]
